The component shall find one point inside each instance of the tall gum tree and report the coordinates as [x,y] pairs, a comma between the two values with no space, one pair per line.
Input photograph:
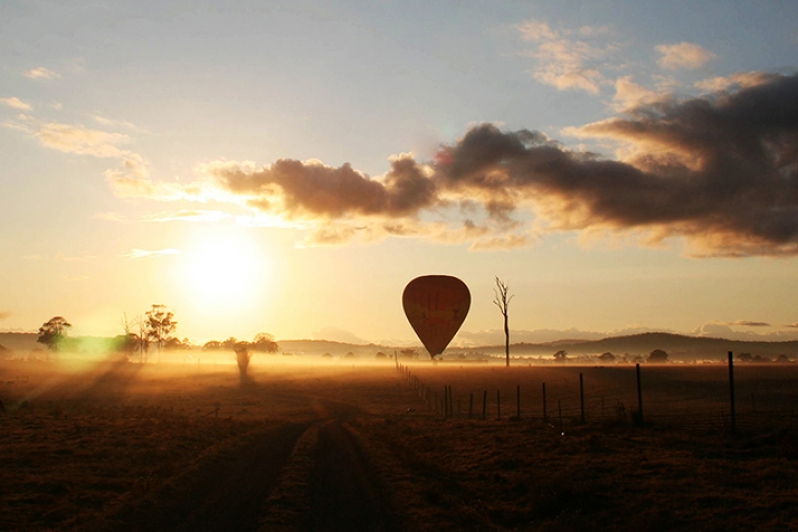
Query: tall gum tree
[502,300]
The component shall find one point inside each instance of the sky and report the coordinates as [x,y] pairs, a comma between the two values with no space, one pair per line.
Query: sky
[288,167]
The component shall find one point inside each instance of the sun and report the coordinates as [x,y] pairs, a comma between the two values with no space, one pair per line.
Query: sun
[224,270]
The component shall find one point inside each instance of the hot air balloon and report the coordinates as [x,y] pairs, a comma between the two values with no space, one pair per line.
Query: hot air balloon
[436,306]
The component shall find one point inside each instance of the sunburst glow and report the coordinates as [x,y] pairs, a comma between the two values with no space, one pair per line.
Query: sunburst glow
[224,270]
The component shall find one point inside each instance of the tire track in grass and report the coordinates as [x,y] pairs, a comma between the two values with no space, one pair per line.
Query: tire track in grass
[345,493]
[330,483]
[226,492]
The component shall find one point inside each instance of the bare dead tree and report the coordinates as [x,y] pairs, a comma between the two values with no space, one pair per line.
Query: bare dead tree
[502,300]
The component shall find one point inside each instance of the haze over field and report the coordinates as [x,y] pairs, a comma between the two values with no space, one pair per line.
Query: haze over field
[284,167]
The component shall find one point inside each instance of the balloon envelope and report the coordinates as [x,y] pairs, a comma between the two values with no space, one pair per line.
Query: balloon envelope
[436,306]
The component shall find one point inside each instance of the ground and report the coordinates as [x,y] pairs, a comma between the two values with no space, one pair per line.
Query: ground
[344,445]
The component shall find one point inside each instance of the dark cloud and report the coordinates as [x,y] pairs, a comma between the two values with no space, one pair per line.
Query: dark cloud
[720,171]
[744,323]
[298,189]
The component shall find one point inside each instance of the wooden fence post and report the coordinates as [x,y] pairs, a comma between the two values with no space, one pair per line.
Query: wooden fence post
[484,404]
[470,404]
[518,401]
[731,394]
[639,394]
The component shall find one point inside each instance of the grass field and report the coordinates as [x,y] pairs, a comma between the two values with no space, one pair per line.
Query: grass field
[340,445]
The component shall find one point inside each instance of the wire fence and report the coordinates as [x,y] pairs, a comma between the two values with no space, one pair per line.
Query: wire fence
[741,397]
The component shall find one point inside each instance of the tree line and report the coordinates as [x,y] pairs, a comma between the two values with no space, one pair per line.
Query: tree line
[155,328]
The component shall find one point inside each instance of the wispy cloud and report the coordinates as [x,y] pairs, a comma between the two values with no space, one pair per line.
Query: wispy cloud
[738,81]
[16,103]
[4,314]
[723,330]
[746,323]
[81,140]
[568,59]
[629,94]
[144,253]
[683,55]
[68,258]
[791,325]
[103,121]
[188,216]
[41,73]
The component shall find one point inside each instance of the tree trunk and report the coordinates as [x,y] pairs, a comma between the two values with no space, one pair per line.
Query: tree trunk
[506,341]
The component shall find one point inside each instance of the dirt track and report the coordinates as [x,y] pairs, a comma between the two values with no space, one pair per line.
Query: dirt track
[231,489]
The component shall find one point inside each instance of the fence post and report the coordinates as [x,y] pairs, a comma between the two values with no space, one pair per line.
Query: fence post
[559,409]
[639,394]
[484,403]
[545,411]
[470,404]
[518,401]
[582,397]
[731,394]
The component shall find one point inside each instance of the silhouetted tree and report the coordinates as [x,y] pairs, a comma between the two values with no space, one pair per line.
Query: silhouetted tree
[126,343]
[159,325]
[745,357]
[658,356]
[264,342]
[561,355]
[242,359]
[408,353]
[502,300]
[230,343]
[607,357]
[53,333]
[173,343]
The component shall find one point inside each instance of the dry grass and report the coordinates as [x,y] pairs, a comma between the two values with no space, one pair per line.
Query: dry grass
[90,443]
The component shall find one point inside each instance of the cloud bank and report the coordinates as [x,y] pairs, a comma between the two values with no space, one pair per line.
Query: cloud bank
[719,171]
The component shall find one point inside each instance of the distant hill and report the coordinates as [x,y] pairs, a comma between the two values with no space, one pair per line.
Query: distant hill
[676,345]
[336,349]
[20,342]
